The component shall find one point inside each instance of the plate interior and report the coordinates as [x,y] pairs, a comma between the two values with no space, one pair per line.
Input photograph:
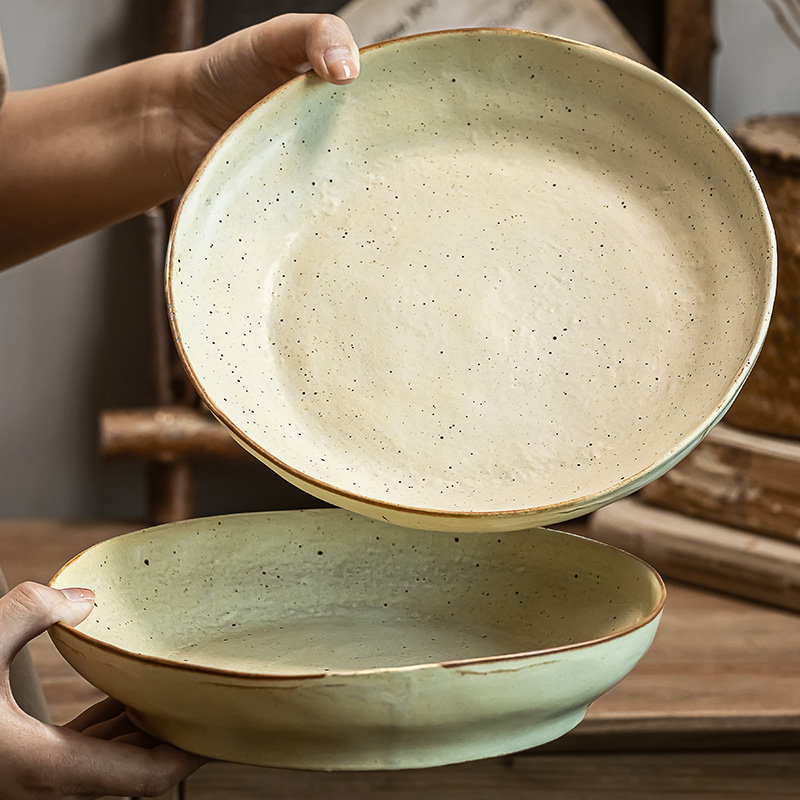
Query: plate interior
[497,272]
[310,592]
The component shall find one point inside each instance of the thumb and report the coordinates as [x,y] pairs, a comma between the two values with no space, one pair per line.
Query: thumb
[294,42]
[30,608]
[331,50]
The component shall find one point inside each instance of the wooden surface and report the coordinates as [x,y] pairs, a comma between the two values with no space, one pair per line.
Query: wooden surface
[707,554]
[770,400]
[618,776]
[772,142]
[712,711]
[745,480]
[689,45]
[167,433]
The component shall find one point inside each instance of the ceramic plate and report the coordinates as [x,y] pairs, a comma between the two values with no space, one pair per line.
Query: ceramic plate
[325,640]
[500,280]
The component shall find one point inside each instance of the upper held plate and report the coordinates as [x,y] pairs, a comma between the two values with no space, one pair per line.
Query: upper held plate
[499,281]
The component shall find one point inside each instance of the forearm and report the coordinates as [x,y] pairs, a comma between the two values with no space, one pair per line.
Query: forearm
[86,154]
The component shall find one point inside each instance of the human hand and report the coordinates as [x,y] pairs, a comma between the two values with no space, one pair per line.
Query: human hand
[100,752]
[81,155]
[215,85]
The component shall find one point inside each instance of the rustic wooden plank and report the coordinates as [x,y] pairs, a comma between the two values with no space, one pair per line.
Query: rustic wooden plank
[717,664]
[772,142]
[704,553]
[745,480]
[711,732]
[691,776]
[165,433]
[770,400]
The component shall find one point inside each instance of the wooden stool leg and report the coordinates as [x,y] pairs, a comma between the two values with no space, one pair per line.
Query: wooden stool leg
[170,491]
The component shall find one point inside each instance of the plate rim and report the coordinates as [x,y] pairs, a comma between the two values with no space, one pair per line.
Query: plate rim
[62,629]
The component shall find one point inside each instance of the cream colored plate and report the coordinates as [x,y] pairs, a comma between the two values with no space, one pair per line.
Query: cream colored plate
[502,279]
[324,640]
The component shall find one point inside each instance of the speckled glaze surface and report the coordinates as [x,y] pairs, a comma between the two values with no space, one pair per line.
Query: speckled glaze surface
[501,280]
[325,640]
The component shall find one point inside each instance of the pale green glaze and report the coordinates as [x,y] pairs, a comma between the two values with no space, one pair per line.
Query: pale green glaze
[324,640]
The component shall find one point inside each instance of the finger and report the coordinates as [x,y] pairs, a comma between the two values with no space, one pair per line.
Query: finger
[96,766]
[111,728]
[331,50]
[99,712]
[30,608]
[105,720]
[296,41]
[140,739]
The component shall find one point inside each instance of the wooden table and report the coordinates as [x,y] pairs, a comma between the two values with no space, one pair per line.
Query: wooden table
[712,711]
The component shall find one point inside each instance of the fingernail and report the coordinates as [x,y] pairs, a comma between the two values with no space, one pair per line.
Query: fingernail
[78,595]
[340,63]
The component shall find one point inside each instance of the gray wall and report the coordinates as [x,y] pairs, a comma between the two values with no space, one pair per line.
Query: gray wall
[72,322]
[68,320]
[757,69]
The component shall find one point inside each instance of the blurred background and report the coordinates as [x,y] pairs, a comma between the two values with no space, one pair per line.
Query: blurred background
[74,323]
